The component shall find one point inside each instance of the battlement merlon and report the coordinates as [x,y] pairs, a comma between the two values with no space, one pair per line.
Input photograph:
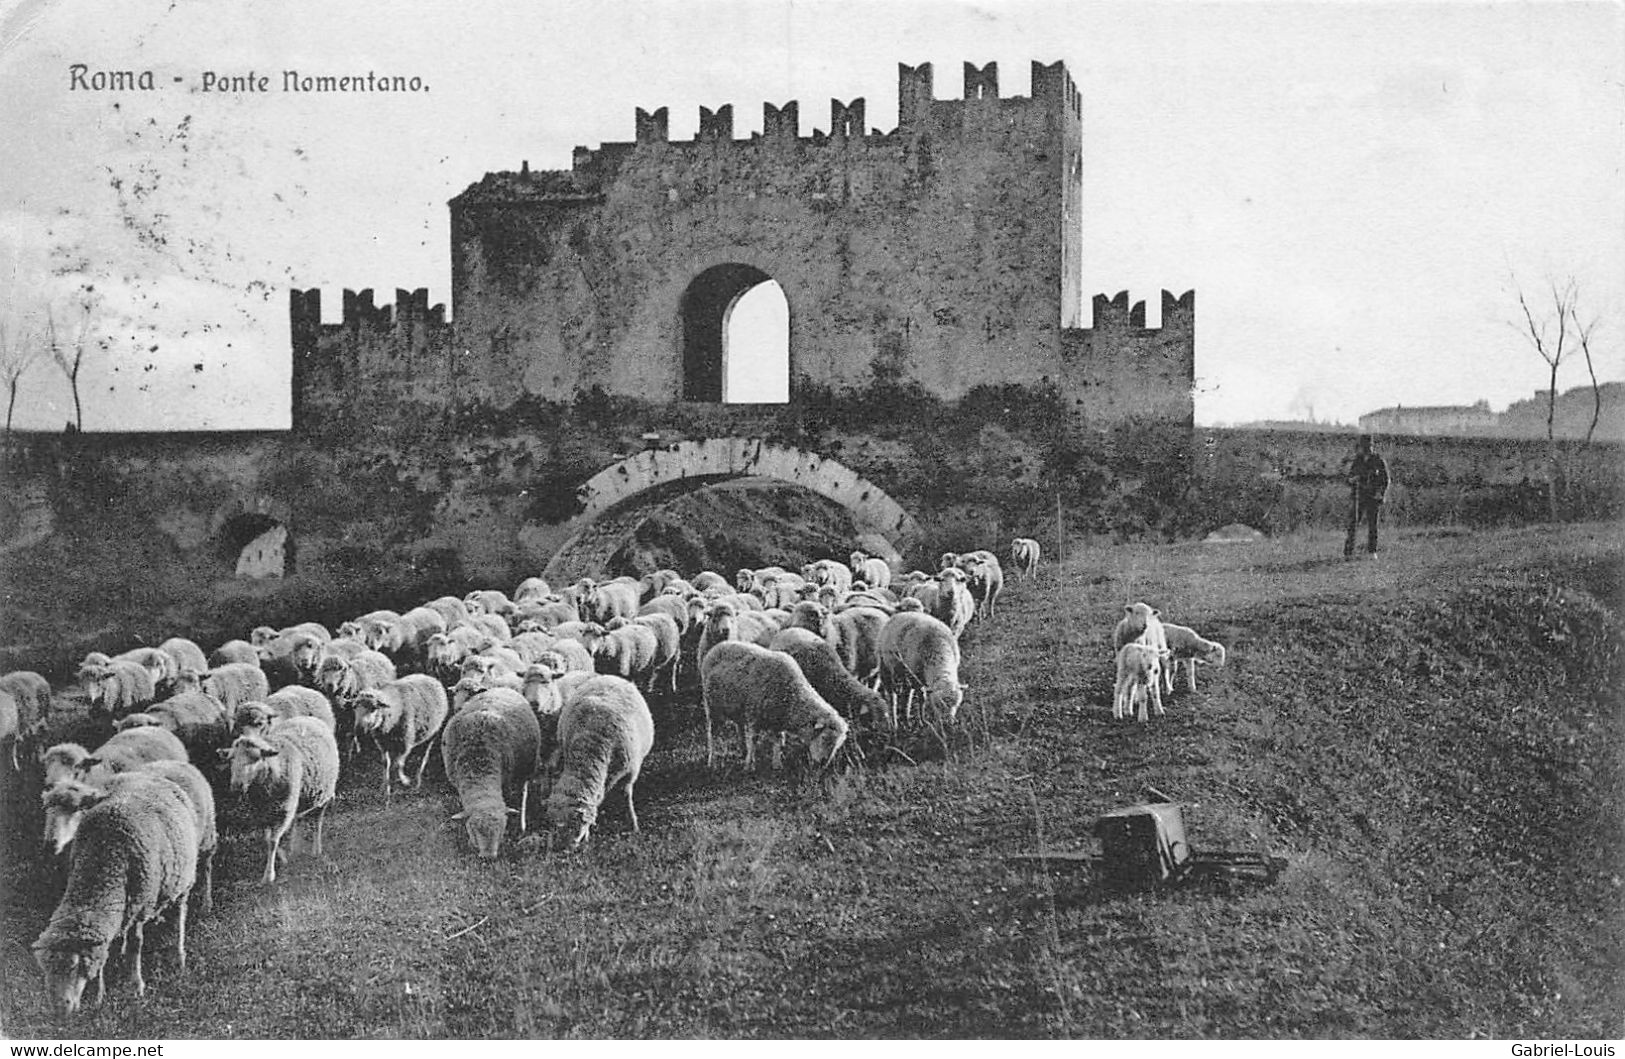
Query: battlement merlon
[1116,314]
[411,308]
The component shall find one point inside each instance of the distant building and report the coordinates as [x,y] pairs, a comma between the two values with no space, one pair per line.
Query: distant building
[1431,419]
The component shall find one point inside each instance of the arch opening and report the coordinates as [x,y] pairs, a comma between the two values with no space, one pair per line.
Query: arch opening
[736,337]
[256,546]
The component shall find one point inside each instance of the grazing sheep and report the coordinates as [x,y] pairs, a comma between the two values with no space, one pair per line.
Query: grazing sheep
[66,802]
[857,640]
[235,684]
[32,695]
[196,718]
[765,691]
[233,651]
[985,580]
[126,751]
[604,733]
[1187,645]
[833,681]
[489,749]
[871,570]
[919,652]
[1024,554]
[287,774]
[401,716]
[1139,677]
[136,857]
[120,687]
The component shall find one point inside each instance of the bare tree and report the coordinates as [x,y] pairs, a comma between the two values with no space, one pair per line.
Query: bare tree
[68,349]
[1583,332]
[1551,349]
[19,348]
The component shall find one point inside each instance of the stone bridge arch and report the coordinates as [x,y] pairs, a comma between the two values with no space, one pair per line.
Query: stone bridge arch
[625,493]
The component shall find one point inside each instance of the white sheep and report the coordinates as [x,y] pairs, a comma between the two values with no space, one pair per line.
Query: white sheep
[401,716]
[1141,623]
[196,718]
[619,598]
[1139,679]
[489,749]
[871,570]
[673,607]
[292,701]
[920,653]
[948,599]
[985,579]
[127,751]
[724,622]
[708,581]
[857,640]
[288,774]
[233,684]
[1188,646]
[1024,555]
[604,733]
[9,727]
[828,572]
[135,858]
[32,696]
[119,687]
[450,608]
[477,683]
[531,588]
[183,654]
[66,802]
[233,651]
[822,667]
[765,691]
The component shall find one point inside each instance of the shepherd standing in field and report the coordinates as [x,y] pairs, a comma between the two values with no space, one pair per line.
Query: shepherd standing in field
[1368,486]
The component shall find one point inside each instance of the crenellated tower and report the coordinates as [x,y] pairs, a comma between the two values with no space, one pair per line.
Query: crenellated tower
[945,251]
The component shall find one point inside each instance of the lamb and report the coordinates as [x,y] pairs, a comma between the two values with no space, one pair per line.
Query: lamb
[604,733]
[765,691]
[871,570]
[489,749]
[287,774]
[833,681]
[919,652]
[1187,645]
[32,696]
[66,802]
[1139,677]
[986,580]
[120,687]
[136,858]
[282,704]
[1140,624]
[401,716]
[235,684]
[1024,554]
[196,718]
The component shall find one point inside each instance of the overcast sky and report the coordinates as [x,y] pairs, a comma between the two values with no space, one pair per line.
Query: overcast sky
[1350,188]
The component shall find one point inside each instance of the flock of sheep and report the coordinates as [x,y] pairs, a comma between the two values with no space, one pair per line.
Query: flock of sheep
[546,689]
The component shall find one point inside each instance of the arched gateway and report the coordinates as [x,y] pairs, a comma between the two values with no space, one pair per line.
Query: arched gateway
[609,496]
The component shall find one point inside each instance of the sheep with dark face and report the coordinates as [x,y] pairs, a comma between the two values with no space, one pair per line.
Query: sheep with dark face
[604,733]
[399,717]
[135,857]
[286,775]
[765,692]
[489,749]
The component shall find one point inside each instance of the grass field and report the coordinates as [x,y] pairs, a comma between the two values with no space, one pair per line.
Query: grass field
[1432,740]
